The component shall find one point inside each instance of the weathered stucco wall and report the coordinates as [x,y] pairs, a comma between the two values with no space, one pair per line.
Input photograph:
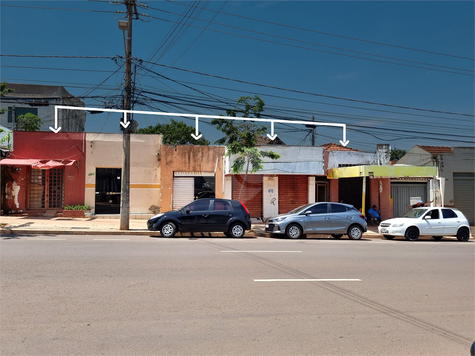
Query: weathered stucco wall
[189,158]
[293,160]
[350,158]
[105,151]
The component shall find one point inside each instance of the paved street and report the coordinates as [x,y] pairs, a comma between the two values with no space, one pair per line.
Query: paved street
[142,295]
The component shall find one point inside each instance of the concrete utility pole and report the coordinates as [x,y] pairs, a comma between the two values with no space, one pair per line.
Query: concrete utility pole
[125,181]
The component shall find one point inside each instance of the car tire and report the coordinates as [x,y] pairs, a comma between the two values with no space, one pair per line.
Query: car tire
[236,230]
[293,231]
[388,237]
[355,232]
[412,234]
[437,238]
[168,229]
[463,234]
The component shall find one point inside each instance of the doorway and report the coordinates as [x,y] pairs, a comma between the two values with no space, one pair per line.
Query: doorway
[108,188]
[46,189]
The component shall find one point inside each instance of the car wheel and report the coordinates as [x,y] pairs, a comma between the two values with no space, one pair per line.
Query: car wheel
[388,237]
[294,231]
[337,236]
[236,230]
[168,229]
[437,238]
[355,232]
[463,234]
[412,234]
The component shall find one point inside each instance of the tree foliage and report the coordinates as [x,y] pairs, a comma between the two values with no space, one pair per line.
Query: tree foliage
[241,136]
[395,154]
[175,133]
[29,122]
[3,90]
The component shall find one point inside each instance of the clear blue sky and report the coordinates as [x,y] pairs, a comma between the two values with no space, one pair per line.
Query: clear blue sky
[396,72]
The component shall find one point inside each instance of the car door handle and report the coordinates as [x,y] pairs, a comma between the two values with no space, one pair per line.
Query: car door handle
[205,215]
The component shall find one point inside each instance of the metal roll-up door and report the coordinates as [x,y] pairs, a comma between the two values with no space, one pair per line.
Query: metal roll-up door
[251,194]
[464,194]
[183,191]
[293,192]
[401,194]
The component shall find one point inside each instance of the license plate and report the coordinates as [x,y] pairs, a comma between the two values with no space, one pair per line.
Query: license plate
[384,231]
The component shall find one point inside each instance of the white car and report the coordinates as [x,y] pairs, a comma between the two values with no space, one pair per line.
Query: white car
[435,222]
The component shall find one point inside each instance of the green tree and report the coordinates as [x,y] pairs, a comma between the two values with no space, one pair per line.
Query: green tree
[395,154]
[241,136]
[3,90]
[29,122]
[175,133]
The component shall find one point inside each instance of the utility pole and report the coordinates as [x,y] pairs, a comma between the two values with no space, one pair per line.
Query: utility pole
[312,127]
[125,181]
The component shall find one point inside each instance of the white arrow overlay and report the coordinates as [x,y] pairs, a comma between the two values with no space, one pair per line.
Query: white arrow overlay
[56,129]
[196,136]
[344,142]
[126,121]
[272,136]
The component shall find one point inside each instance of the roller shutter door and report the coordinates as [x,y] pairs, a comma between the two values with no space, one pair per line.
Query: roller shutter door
[464,194]
[293,192]
[401,194]
[251,194]
[183,191]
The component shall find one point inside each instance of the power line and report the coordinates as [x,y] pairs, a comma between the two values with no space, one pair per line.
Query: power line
[320,45]
[332,34]
[309,93]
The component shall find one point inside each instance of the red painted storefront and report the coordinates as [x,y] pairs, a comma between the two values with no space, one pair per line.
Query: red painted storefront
[59,182]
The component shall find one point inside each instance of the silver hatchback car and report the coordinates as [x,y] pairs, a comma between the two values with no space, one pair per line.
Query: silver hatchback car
[335,219]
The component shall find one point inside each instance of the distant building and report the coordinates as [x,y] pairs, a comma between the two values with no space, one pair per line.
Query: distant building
[41,100]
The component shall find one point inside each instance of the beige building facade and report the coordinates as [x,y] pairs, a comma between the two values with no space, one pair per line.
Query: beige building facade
[103,173]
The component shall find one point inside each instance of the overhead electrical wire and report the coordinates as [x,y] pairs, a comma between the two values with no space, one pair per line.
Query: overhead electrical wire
[331,34]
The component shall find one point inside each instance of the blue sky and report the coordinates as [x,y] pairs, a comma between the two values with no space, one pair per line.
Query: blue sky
[396,72]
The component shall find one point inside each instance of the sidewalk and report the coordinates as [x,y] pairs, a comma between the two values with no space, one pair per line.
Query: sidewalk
[21,225]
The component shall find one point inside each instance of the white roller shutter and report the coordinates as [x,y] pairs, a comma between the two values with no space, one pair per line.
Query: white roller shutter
[464,194]
[183,191]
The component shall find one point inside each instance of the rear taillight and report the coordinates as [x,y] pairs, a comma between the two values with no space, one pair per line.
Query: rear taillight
[362,216]
[247,211]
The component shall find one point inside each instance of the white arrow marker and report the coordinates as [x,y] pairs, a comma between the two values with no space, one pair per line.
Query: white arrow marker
[126,121]
[344,142]
[196,137]
[56,128]
[272,136]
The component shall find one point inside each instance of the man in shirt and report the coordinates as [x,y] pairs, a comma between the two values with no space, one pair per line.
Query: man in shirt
[373,215]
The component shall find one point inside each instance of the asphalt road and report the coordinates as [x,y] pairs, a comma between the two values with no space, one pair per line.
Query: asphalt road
[138,295]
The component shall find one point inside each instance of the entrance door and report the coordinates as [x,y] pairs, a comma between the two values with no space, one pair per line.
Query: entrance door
[321,192]
[46,189]
[108,190]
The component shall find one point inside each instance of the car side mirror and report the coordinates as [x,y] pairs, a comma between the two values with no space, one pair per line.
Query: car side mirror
[427,217]
[187,211]
[308,212]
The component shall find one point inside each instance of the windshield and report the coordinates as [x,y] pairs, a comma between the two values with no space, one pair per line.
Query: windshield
[299,209]
[414,213]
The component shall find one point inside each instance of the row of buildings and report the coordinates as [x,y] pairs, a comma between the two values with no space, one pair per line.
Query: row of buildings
[45,171]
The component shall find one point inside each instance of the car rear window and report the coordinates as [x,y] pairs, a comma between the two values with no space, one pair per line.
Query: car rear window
[222,205]
[449,214]
[337,208]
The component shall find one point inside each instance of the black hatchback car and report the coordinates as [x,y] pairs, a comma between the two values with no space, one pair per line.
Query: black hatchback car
[204,215]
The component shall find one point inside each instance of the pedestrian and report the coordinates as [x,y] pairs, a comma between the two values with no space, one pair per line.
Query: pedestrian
[373,215]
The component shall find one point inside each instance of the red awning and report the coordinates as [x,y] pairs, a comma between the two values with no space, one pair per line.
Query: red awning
[37,163]
[18,162]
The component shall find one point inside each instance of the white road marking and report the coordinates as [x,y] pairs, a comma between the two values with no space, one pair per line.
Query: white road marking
[260,251]
[44,239]
[308,280]
[111,239]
